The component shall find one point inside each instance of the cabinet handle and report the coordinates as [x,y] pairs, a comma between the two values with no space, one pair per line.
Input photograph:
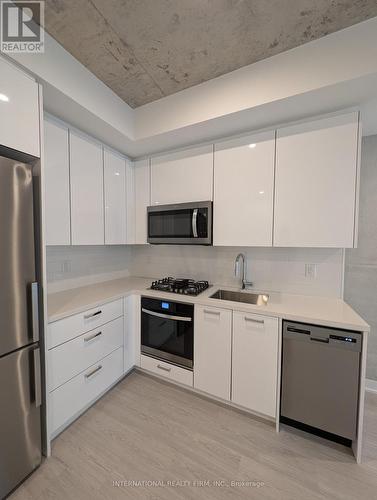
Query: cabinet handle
[93,372]
[214,313]
[163,368]
[91,315]
[92,337]
[253,320]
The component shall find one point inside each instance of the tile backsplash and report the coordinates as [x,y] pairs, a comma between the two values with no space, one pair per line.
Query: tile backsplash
[270,269]
[273,269]
[71,266]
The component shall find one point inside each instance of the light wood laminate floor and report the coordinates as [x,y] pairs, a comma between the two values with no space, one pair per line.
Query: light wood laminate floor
[147,430]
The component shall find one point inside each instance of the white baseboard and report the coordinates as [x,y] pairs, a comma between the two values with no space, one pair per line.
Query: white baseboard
[371,385]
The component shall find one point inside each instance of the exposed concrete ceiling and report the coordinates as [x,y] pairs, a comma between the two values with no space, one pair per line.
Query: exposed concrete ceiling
[147,49]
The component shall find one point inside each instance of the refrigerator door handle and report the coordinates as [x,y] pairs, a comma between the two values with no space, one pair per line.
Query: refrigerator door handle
[37,377]
[35,311]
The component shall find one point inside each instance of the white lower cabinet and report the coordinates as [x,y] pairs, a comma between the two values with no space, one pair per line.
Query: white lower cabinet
[83,351]
[167,370]
[131,332]
[213,350]
[255,362]
[85,357]
[68,400]
[68,328]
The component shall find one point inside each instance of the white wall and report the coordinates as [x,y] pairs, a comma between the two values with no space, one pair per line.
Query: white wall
[329,74]
[360,289]
[274,269]
[321,63]
[71,267]
[74,94]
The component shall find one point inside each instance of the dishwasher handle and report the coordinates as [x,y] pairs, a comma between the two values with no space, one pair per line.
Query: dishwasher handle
[319,339]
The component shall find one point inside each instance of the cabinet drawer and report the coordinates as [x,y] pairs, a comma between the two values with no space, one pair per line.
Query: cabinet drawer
[167,370]
[69,328]
[74,396]
[71,358]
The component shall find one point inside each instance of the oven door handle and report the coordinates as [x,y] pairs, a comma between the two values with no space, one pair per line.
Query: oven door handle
[195,223]
[165,316]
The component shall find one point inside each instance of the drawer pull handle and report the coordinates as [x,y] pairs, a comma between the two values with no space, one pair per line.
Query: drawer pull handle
[253,320]
[93,372]
[91,315]
[92,337]
[164,368]
[215,313]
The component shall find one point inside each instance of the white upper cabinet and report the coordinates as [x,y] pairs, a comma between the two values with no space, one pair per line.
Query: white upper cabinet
[142,199]
[86,191]
[244,191]
[182,177]
[56,167]
[255,362]
[316,183]
[115,199]
[130,203]
[19,110]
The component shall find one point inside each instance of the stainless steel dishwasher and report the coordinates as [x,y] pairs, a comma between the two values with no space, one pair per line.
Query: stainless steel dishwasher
[320,380]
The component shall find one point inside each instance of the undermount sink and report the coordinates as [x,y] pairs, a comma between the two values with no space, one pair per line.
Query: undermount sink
[259,299]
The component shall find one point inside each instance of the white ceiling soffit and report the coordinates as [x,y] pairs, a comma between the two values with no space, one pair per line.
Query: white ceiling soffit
[334,72]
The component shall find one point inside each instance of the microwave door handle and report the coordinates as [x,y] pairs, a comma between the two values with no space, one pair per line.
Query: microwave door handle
[195,223]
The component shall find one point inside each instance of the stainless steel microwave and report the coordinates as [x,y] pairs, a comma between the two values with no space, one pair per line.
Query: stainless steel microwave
[181,224]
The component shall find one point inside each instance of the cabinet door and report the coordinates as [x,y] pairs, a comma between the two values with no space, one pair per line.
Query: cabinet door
[86,191]
[316,174]
[56,167]
[182,177]
[212,351]
[142,200]
[115,199]
[244,191]
[130,203]
[19,110]
[255,362]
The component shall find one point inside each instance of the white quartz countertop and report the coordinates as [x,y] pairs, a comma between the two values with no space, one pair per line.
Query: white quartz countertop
[309,309]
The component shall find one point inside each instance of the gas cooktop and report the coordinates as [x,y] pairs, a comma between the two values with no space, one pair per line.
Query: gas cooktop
[180,285]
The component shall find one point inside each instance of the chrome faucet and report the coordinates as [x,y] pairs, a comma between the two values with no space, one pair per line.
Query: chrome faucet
[244,284]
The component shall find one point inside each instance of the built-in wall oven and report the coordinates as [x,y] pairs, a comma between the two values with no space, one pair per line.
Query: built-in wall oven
[184,223]
[167,331]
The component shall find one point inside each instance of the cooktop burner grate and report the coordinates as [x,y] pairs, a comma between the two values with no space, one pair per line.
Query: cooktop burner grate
[180,285]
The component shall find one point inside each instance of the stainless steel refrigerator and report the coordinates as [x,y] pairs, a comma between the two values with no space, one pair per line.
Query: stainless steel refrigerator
[20,373]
